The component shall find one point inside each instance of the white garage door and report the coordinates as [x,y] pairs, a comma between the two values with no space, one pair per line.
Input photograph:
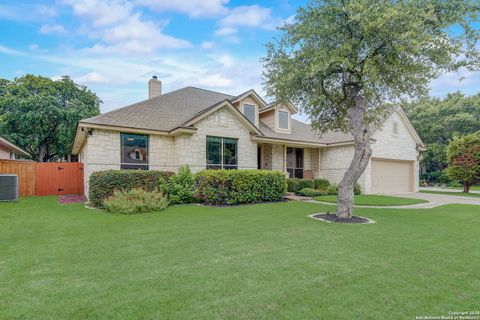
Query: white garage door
[392,176]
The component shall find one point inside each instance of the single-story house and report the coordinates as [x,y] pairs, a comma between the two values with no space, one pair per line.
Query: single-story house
[206,129]
[9,150]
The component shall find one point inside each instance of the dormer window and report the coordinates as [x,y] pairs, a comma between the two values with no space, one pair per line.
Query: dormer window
[283,120]
[250,111]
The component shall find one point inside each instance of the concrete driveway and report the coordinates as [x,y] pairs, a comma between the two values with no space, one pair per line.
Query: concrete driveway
[436,200]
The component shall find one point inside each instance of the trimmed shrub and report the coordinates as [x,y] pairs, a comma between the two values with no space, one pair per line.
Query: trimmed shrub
[295,184]
[357,189]
[308,192]
[102,184]
[332,189]
[219,187]
[135,201]
[179,188]
[321,183]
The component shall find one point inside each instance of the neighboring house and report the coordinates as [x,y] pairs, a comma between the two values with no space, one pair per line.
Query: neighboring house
[11,151]
[206,129]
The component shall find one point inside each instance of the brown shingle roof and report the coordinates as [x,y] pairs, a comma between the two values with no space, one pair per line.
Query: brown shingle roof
[174,109]
[163,113]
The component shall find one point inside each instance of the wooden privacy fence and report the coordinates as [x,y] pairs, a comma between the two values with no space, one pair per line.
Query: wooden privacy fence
[47,178]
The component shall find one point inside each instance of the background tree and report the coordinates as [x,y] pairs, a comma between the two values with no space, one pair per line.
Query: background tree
[437,121]
[41,115]
[341,60]
[464,159]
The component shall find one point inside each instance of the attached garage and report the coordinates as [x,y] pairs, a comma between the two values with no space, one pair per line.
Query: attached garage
[392,176]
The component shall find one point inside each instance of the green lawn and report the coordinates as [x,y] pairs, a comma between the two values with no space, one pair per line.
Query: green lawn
[248,262]
[453,193]
[375,200]
[461,188]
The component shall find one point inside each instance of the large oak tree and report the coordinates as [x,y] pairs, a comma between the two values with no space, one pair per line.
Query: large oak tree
[340,61]
[41,115]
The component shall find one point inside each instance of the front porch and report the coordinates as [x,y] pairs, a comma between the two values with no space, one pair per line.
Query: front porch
[295,160]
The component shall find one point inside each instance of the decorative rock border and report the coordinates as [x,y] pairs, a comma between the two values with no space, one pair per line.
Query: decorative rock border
[316,217]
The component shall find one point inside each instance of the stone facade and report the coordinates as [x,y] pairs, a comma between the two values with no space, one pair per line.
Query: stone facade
[400,146]
[101,150]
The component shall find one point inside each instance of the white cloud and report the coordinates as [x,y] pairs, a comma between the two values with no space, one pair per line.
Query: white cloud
[253,16]
[10,51]
[193,8]
[52,28]
[226,31]
[101,13]
[463,80]
[214,81]
[92,78]
[36,48]
[120,29]
[207,44]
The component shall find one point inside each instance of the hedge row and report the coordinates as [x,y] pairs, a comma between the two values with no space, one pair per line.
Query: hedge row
[215,187]
[102,184]
[299,185]
[219,187]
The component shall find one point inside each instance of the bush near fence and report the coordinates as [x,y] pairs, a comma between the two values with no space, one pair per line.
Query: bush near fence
[102,184]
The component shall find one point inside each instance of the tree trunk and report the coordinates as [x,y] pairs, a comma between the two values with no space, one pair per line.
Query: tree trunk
[466,187]
[361,135]
[42,153]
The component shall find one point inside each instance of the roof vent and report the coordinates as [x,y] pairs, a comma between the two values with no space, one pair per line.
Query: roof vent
[154,87]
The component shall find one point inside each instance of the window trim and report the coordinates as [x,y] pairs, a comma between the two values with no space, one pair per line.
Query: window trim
[140,166]
[277,120]
[256,111]
[222,165]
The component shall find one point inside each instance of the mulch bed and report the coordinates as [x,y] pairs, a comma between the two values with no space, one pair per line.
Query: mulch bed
[333,218]
[72,198]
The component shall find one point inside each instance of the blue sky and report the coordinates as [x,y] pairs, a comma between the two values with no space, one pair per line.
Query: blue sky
[114,47]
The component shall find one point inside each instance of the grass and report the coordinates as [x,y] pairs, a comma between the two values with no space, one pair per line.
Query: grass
[375,200]
[453,193]
[461,188]
[248,262]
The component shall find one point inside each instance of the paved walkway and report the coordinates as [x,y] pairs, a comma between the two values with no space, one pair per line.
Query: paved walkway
[446,189]
[435,200]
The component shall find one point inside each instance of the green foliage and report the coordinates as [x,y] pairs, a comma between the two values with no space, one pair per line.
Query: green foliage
[357,190]
[339,54]
[437,121]
[332,189]
[464,159]
[41,115]
[295,184]
[321,183]
[102,184]
[180,187]
[135,201]
[308,192]
[219,187]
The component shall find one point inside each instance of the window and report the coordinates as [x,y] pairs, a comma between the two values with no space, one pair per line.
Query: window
[222,153]
[395,128]
[283,120]
[250,111]
[295,162]
[134,151]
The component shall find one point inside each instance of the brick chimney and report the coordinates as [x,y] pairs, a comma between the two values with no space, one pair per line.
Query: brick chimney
[154,87]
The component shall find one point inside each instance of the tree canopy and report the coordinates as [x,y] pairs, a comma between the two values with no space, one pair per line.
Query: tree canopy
[340,61]
[438,121]
[40,114]
[464,159]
